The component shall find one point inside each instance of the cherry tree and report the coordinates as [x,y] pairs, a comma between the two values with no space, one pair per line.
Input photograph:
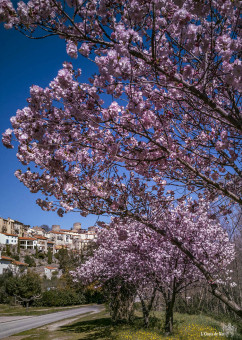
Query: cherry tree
[173,72]
[133,256]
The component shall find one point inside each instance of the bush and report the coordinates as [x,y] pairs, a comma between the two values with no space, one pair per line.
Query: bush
[42,256]
[8,250]
[25,287]
[94,295]
[29,260]
[4,278]
[61,297]
[15,257]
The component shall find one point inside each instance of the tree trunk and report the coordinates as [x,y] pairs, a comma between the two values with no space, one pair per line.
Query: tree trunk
[147,308]
[170,301]
[122,303]
[145,313]
[121,310]
[169,317]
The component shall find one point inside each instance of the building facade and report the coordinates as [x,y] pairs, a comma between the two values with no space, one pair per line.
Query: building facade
[8,239]
[11,226]
[7,263]
[27,242]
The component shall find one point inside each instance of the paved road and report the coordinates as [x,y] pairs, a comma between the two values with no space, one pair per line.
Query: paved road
[8,328]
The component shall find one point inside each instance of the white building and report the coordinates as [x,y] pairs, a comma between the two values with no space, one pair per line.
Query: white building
[6,238]
[49,270]
[37,231]
[60,238]
[41,243]
[7,263]
[28,242]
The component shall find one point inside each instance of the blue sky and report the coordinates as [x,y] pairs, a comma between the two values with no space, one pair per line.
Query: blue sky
[24,62]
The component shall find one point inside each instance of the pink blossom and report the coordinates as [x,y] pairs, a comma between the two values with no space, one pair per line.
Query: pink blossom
[71,49]
[6,138]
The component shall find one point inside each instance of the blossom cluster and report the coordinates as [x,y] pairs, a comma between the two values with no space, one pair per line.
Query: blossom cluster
[144,257]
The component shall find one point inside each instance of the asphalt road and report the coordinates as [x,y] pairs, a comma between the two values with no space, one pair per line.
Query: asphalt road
[8,328]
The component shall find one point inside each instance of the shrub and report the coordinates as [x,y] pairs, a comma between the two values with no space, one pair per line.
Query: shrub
[4,278]
[94,295]
[29,260]
[25,287]
[61,297]
[15,257]
[41,256]
[8,250]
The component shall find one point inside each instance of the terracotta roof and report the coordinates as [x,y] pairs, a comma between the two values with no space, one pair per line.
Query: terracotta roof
[7,258]
[20,263]
[40,237]
[60,246]
[10,234]
[56,232]
[27,238]
[50,242]
[17,263]
[48,267]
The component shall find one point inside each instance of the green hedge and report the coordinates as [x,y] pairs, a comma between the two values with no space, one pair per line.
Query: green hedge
[61,297]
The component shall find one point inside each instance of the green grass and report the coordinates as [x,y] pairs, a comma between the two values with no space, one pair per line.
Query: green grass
[100,327]
[37,334]
[6,310]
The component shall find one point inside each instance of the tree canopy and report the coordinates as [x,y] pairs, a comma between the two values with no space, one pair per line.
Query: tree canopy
[134,260]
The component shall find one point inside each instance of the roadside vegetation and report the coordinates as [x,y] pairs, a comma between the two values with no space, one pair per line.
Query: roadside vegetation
[100,326]
[31,290]
[18,310]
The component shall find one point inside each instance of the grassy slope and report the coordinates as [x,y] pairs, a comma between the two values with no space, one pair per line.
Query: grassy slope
[6,310]
[99,327]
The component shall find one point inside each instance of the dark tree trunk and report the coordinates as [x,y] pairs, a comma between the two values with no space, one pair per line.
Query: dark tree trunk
[170,297]
[121,309]
[147,308]
[121,300]
[169,317]
[145,313]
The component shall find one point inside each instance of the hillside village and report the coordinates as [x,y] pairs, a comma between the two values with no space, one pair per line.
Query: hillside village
[22,240]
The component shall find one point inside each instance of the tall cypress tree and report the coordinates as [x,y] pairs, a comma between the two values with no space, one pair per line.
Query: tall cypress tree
[49,256]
